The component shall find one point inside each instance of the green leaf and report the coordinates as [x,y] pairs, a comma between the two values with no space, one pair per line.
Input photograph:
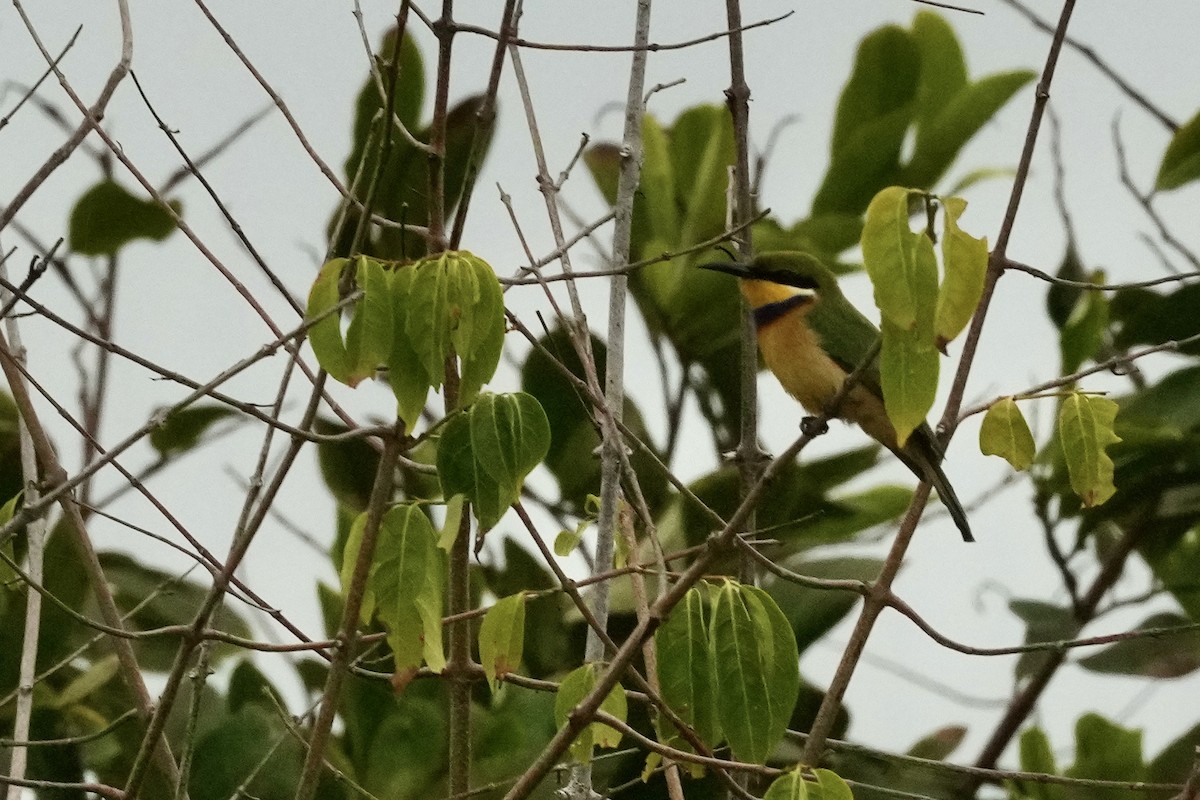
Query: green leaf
[657,185]
[407,375]
[1061,299]
[1083,332]
[908,369]
[940,138]
[566,541]
[83,685]
[325,335]
[686,671]
[1168,656]
[161,599]
[486,453]
[181,431]
[943,68]
[938,745]
[1044,622]
[789,786]
[1181,161]
[348,466]
[1150,318]
[702,151]
[447,305]
[349,564]
[1174,763]
[889,255]
[830,786]
[1005,433]
[369,335]
[107,217]
[1085,425]
[1038,756]
[965,261]
[502,638]
[1105,751]
[758,673]
[873,116]
[812,613]
[407,581]
[571,692]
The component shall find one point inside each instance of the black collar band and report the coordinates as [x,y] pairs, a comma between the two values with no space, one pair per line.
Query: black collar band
[765,315]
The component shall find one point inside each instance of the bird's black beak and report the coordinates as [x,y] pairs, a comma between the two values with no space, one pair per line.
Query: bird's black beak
[729,268]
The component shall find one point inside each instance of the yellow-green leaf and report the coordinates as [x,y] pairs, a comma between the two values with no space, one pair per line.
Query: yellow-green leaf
[325,335]
[1005,433]
[88,682]
[830,786]
[1085,426]
[789,786]
[964,260]
[452,522]
[349,560]
[407,580]
[407,375]
[573,689]
[502,638]
[908,370]
[887,245]
[369,335]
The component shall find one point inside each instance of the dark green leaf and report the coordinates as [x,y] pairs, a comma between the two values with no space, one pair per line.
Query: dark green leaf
[1043,623]
[348,466]
[108,217]
[813,612]
[1061,300]
[686,671]
[163,599]
[1166,656]
[758,674]
[181,431]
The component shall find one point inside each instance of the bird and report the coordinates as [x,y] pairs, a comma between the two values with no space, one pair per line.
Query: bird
[811,337]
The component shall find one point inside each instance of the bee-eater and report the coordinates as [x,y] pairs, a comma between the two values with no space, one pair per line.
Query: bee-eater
[811,337]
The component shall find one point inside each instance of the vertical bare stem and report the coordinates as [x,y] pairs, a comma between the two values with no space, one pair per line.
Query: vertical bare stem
[36,537]
[750,457]
[347,635]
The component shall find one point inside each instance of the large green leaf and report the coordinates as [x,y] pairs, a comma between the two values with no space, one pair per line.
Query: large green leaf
[107,217]
[686,670]
[758,674]
[407,582]
[163,599]
[486,452]
[502,638]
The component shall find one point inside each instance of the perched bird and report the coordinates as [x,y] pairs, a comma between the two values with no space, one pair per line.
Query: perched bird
[811,337]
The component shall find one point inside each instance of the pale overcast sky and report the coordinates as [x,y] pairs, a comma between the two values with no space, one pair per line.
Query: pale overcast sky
[174,308]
